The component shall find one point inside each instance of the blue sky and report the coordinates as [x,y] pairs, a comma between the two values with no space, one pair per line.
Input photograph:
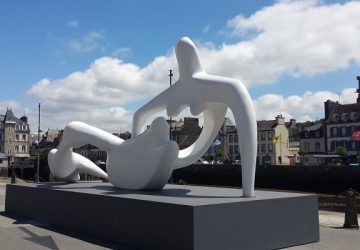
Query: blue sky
[286,52]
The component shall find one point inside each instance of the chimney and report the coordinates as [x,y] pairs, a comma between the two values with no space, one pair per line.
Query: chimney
[280,120]
[328,106]
[358,90]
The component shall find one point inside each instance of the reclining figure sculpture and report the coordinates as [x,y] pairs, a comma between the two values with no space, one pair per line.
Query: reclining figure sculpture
[147,160]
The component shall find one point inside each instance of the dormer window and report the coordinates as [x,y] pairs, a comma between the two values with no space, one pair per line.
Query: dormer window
[335,117]
[354,116]
[344,117]
[306,133]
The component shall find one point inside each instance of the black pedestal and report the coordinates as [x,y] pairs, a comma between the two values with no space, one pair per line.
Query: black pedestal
[179,217]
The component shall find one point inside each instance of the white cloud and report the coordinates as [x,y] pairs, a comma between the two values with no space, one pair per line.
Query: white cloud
[87,43]
[91,95]
[15,106]
[308,106]
[73,23]
[297,38]
[206,29]
[121,53]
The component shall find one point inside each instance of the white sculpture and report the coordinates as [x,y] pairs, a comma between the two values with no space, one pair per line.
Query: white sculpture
[148,158]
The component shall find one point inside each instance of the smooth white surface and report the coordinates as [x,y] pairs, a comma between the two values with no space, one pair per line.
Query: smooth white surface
[148,158]
[211,95]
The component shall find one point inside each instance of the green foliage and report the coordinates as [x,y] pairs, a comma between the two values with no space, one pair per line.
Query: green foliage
[219,153]
[341,151]
[302,152]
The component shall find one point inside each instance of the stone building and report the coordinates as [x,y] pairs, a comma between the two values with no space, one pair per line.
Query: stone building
[273,142]
[14,137]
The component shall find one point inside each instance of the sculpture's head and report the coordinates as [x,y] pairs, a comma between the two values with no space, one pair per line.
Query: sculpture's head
[187,57]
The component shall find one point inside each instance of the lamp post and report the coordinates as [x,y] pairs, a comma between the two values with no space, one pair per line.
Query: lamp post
[38,151]
[170,121]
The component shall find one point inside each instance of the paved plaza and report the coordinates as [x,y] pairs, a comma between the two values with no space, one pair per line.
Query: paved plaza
[19,233]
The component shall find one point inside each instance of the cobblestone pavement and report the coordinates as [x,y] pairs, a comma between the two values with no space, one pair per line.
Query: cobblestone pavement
[18,233]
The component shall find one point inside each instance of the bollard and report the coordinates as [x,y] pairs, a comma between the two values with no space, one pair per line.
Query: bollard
[351,220]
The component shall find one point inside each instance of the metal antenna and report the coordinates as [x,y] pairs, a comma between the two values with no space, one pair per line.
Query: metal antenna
[38,150]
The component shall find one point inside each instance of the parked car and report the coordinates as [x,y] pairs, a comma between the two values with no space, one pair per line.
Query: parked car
[202,161]
[355,164]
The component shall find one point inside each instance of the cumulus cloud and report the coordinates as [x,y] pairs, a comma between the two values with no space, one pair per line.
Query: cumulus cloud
[15,106]
[87,43]
[308,106]
[295,38]
[92,94]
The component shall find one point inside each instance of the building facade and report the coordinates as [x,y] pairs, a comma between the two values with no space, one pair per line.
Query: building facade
[14,136]
[341,122]
[273,142]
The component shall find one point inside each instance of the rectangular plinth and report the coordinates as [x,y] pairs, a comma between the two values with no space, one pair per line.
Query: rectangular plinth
[179,217]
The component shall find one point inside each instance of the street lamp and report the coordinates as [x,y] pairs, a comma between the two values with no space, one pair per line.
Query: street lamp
[13,176]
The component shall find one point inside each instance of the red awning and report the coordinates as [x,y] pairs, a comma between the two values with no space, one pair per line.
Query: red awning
[356,135]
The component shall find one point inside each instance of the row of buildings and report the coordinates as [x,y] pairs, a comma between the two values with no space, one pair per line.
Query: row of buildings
[279,142]
[286,143]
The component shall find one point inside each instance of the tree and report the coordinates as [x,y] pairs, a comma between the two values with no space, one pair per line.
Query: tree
[342,152]
[219,153]
[302,152]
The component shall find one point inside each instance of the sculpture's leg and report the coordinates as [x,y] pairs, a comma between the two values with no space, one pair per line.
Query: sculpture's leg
[65,164]
[245,118]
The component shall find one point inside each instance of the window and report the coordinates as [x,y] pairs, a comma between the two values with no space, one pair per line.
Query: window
[270,135]
[17,137]
[236,138]
[263,148]
[334,131]
[306,133]
[231,149]
[270,148]
[335,117]
[345,117]
[262,136]
[16,149]
[9,141]
[354,116]
[334,145]
[24,137]
[307,146]
[317,133]
[231,138]
[23,149]
[343,131]
[236,149]
[317,146]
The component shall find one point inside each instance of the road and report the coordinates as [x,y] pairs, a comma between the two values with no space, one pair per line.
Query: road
[19,233]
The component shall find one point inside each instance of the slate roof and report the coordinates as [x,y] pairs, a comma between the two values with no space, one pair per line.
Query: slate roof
[314,127]
[266,125]
[344,108]
[10,117]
